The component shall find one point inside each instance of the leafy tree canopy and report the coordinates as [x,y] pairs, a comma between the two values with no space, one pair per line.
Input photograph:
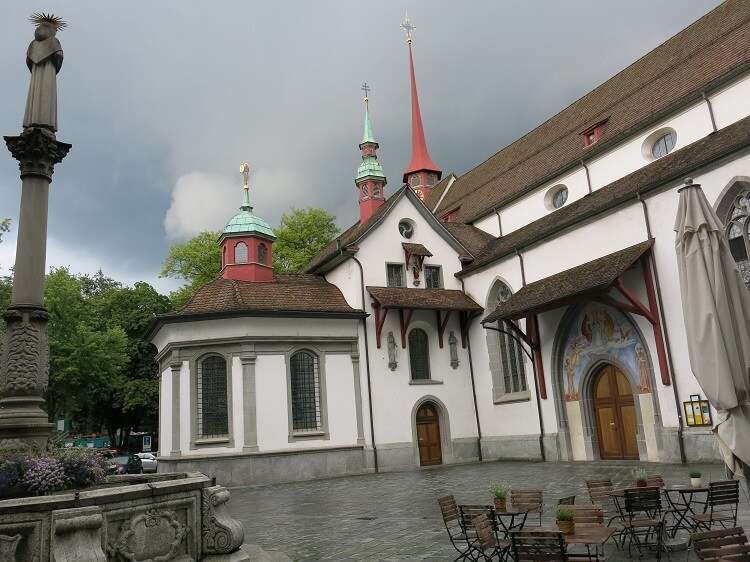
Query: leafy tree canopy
[4,227]
[197,261]
[302,233]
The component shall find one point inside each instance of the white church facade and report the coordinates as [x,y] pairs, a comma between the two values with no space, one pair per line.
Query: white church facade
[527,309]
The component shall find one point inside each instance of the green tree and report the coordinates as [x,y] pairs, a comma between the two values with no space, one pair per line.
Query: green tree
[4,227]
[196,261]
[302,233]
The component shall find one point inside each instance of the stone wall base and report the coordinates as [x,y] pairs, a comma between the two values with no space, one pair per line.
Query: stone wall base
[518,447]
[243,469]
[405,455]
[700,445]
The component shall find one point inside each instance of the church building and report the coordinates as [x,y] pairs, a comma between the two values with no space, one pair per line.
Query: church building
[529,308]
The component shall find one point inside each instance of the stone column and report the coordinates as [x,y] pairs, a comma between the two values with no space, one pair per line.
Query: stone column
[249,407]
[24,367]
[357,395]
[175,365]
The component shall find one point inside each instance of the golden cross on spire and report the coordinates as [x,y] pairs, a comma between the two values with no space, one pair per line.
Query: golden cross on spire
[366,89]
[408,27]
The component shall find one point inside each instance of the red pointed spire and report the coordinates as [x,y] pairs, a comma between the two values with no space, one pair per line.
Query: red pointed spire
[421,173]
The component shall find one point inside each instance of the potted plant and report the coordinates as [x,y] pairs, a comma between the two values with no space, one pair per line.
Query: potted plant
[565,521]
[500,494]
[640,477]
[695,478]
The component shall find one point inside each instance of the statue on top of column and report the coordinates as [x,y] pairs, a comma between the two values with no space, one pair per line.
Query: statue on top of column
[44,59]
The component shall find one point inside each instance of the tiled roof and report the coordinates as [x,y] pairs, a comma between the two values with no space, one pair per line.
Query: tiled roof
[551,292]
[415,249]
[429,299]
[437,192]
[472,238]
[298,293]
[673,167]
[674,74]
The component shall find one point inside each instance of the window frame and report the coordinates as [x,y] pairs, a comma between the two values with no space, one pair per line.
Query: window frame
[439,270]
[195,362]
[247,253]
[510,362]
[402,265]
[262,250]
[322,433]
[410,347]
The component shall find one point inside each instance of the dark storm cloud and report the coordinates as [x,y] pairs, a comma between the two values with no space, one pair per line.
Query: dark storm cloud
[163,100]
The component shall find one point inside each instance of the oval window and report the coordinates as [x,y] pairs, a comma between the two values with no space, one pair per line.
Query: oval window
[556,197]
[406,228]
[664,144]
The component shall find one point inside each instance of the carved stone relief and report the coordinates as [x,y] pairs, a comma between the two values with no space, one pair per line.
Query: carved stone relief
[154,535]
[222,534]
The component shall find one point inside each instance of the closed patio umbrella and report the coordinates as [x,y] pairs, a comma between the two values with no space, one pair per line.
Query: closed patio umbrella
[716,308]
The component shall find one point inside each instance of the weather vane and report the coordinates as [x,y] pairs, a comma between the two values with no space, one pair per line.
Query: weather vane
[245,171]
[366,89]
[408,27]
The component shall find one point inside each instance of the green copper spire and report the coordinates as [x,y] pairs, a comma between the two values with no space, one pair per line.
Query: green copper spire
[367,136]
[369,167]
[245,222]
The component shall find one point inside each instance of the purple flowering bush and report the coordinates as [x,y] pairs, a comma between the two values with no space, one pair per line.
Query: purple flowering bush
[42,475]
[24,473]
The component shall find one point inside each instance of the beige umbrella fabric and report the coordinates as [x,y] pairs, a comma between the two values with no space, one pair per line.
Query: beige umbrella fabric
[716,308]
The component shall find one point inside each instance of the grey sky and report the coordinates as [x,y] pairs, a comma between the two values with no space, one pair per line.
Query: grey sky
[162,100]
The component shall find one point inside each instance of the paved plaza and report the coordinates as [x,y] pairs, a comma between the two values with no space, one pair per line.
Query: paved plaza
[395,516]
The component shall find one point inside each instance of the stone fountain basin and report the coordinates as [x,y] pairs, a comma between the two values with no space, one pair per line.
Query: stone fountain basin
[148,517]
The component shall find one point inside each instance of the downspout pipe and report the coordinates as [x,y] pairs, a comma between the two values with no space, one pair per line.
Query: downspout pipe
[473,387]
[588,176]
[680,422]
[367,364]
[710,110]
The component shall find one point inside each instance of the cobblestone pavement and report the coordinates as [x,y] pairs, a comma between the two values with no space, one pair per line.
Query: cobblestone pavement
[394,516]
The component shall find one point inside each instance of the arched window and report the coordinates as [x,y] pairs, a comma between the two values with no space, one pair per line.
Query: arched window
[305,391]
[734,210]
[240,253]
[262,254]
[419,355]
[505,354]
[211,397]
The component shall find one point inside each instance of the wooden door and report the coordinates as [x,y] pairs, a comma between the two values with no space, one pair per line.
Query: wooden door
[428,435]
[614,410]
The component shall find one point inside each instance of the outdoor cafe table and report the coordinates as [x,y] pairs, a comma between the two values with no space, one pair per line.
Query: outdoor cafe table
[510,520]
[585,534]
[681,500]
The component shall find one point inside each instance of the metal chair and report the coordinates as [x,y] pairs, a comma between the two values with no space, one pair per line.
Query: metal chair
[534,546]
[656,480]
[567,500]
[587,514]
[456,534]
[642,520]
[488,546]
[531,501]
[721,506]
[722,544]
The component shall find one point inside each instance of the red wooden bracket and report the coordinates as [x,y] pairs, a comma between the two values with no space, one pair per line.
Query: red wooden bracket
[380,314]
[520,333]
[442,323]
[661,351]
[405,319]
[619,305]
[532,328]
[643,310]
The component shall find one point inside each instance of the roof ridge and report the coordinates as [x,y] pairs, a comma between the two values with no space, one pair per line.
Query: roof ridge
[604,110]
[237,294]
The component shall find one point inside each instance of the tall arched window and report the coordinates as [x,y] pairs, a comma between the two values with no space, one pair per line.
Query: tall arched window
[262,253]
[211,397]
[240,253]
[505,354]
[734,210]
[305,391]
[419,355]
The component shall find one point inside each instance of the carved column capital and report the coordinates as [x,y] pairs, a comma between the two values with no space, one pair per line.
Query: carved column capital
[37,151]
[248,358]
[175,362]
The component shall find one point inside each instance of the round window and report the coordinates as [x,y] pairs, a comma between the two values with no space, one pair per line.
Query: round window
[556,197]
[406,228]
[664,144]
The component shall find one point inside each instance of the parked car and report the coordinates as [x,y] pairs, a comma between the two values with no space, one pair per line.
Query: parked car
[123,462]
[148,460]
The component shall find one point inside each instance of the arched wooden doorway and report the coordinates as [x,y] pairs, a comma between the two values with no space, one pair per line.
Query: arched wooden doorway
[614,412]
[428,435]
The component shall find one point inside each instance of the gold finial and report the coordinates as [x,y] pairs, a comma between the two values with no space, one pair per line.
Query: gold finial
[245,171]
[40,18]
[408,27]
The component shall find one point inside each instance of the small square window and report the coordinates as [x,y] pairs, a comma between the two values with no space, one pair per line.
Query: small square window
[432,277]
[395,274]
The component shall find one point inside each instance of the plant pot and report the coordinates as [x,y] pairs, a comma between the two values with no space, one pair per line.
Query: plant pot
[641,483]
[696,482]
[566,527]
[500,505]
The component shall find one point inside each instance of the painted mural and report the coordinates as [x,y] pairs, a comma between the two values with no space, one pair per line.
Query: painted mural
[599,333]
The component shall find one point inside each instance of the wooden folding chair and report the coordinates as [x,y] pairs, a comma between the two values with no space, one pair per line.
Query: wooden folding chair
[488,546]
[531,501]
[722,544]
[534,546]
[452,521]
[721,506]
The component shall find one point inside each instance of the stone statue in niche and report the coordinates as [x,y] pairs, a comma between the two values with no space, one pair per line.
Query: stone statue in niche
[392,362]
[453,345]
[44,58]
